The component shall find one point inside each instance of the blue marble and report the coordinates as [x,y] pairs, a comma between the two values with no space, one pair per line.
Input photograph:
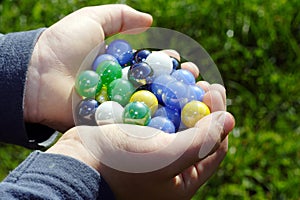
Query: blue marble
[175,95]
[140,74]
[159,84]
[162,123]
[171,114]
[101,58]
[184,76]
[85,112]
[141,55]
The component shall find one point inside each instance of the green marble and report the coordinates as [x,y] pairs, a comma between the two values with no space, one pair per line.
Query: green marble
[108,71]
[137,113]
[88,83]
[120,90]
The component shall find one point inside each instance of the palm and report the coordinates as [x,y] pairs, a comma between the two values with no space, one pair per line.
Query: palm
[69,41]
[157,165]
[162,166]
[158,185]
[62,48]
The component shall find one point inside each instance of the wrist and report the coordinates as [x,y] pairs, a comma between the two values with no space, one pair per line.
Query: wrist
[32,87]
[48,88]
[70,145]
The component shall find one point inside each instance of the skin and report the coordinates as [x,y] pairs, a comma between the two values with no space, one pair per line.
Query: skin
[178,180]
[55,61]
[58,54]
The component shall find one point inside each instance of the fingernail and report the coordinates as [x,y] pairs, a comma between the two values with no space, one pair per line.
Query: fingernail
[226,120]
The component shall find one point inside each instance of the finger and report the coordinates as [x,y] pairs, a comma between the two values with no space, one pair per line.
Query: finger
[140,149]
[213,99]
[206,137]
[209,165]
[172,53]
[191,67]
[196,175]
[117,18]
[204,85]
[220,88]
[128,148]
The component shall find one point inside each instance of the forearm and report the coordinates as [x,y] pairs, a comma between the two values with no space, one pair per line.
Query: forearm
[53,176]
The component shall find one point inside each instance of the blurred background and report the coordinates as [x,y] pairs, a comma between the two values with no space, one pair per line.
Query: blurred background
[256,46]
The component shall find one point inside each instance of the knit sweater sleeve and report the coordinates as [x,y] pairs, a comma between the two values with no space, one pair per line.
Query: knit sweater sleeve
[41,175]
[53,176]
[15,53]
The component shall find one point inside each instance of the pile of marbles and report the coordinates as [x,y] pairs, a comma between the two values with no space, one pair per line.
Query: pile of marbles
[141,87]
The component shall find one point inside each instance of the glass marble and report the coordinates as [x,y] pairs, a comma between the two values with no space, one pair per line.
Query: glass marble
[125,59]
[141,55]
[171,114]
[147,98]
[162,123]
[160,62]
[121,50]
[159,84]
[195,92]
[109,112]
[102,58]
[176,63]
[192,112]
[118,46]
[137,113]
[184,76]
[85,112]
[191,67]
[174,95]
[109,71]
[102,95]
[88,83]
[120,90]
[140,74]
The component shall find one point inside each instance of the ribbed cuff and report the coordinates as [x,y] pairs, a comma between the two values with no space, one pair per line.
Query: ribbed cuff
[15,53]
[53,176]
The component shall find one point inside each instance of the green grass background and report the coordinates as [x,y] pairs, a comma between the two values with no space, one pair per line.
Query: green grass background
[255,45]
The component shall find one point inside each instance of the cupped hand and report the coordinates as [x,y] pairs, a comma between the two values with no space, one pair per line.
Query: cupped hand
[143,163]
[58,54]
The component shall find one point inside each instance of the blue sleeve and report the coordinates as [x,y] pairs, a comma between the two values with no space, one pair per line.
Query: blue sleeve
[52,176]
[41,175]
[15,54]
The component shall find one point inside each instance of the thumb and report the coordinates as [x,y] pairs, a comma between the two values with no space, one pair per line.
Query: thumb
[117,18]
[140,149]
